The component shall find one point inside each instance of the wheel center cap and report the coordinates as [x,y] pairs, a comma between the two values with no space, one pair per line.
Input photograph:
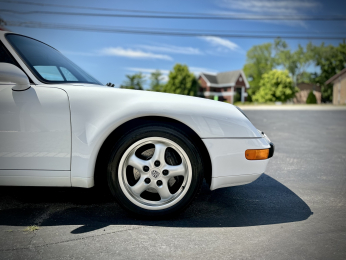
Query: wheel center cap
[155,173]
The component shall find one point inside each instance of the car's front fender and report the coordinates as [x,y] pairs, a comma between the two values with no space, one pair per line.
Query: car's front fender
[97,111]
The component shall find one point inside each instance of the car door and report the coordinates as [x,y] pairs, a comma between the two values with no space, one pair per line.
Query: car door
[35,131]
[35,134]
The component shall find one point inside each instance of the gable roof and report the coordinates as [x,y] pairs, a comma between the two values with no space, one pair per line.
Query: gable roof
[336,76]
[223,79]
[211,78]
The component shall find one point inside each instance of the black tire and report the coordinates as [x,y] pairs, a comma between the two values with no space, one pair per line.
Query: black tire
[163,130]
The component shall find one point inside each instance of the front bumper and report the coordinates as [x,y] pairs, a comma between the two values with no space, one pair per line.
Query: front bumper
[271,150]
[229,165]
[272,146]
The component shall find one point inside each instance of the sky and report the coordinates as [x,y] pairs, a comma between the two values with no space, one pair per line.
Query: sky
[110,56]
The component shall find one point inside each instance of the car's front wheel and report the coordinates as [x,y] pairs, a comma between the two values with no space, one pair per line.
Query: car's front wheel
[155,170]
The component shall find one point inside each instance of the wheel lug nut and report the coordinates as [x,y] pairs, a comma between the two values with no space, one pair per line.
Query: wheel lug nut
[159,183]
[147,180]
[165,172]
[145,168]
[157,163]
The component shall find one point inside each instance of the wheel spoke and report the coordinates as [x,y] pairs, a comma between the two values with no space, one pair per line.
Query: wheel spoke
[137,163]
[139,187]
[164,192]
[159,153]
[176,170]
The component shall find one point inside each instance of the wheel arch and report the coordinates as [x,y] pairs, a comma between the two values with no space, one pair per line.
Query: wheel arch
[101,159]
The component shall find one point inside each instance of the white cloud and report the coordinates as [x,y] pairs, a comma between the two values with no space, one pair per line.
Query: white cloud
[263,7]
[198,70]
[223,44]
[172,49]
[260,8]
[146,70]
[130,53]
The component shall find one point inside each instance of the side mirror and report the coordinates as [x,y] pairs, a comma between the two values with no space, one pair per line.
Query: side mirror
[13,74]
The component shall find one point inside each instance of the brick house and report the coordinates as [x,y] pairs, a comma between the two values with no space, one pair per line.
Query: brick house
[304,90]
[225,85]
[339,87]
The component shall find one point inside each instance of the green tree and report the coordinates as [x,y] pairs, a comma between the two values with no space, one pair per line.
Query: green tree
[259,60]
[311,99]
[295,62]
[275,85]
[181,81]
[156,81]
[263,58]
[306,77]
[135,81]
[331,60]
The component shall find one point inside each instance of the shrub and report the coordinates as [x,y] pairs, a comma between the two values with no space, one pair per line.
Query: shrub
[311,98]
[275,86]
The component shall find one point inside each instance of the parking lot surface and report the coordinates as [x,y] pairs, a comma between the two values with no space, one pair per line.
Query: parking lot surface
[296,210]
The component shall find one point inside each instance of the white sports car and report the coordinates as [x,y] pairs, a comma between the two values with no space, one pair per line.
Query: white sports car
[61,127]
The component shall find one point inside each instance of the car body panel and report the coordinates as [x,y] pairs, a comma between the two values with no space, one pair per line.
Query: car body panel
[42,178]
[229,165]
[97,111]
[35,131]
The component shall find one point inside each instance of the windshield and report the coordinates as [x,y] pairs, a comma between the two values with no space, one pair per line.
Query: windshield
[48,65]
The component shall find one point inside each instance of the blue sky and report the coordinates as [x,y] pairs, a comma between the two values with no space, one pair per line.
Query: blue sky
[110,56]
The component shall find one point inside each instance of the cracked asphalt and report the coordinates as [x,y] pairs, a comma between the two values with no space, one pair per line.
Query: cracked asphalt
[296,210]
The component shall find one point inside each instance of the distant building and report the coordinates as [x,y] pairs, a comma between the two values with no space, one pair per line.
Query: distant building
[304,90]
[226,85]
[339,87]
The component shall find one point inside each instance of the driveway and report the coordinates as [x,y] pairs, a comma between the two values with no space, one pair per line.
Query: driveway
[296,210]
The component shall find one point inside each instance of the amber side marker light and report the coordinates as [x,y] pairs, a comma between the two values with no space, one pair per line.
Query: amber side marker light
[257,154]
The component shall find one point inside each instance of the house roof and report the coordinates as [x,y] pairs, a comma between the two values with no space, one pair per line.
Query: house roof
[228,78]
[210,77]
[336,76]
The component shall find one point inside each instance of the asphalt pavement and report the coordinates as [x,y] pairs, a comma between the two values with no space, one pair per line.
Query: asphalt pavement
[296,210]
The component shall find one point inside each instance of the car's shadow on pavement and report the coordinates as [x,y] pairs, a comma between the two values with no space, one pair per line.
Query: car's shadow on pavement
[263,202]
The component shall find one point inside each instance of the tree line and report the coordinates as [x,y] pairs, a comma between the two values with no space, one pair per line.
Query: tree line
[180,81]
[273,71]
[272,66]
